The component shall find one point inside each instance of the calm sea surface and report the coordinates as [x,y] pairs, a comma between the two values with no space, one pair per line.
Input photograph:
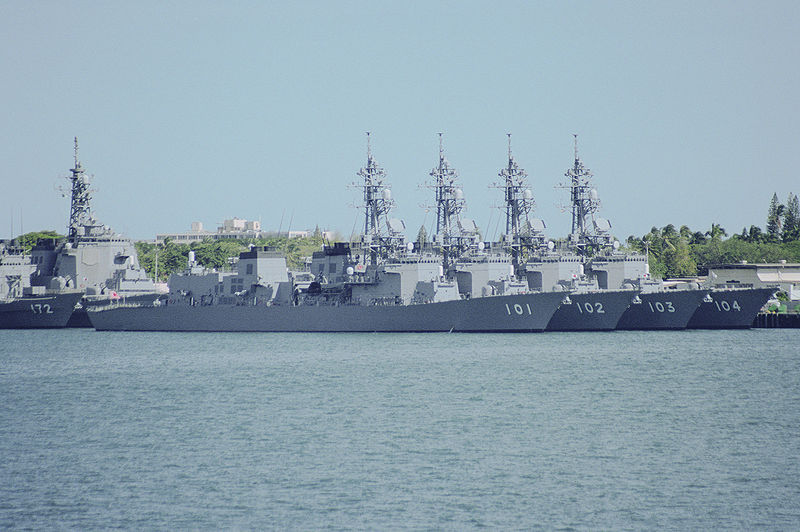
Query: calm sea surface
[616,431]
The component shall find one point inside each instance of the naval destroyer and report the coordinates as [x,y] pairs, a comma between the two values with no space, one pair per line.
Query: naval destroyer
[586,306]
[23,306]
[655,306]
[660,304]
[380,283]
[93,258]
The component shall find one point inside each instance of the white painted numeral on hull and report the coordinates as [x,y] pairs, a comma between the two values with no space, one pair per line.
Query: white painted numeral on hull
[724,306]
[38,308]
[589,308]
[518,309]
[660,307]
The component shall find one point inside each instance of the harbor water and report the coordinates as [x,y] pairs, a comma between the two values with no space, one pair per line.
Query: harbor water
[572,431]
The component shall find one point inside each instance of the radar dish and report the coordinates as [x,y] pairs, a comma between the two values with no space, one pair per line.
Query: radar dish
[396,225]
[537,225]
[481,246]
[467,226]
[602,225]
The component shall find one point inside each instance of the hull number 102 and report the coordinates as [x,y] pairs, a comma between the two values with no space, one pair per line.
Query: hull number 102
[589,308]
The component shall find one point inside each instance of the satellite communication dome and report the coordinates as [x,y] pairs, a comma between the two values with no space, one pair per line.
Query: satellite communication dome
[350,270]
[459,194]
[593,194]
[537,225]
[481,246]
[387,194]
[528,194]
[551,245]
[616,244]
[410,247]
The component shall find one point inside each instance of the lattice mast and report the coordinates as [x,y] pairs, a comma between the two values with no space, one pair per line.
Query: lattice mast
[449,201]
[80,213]
[519,204]
[581,196]
[585,203]
[518,196]
[377,205]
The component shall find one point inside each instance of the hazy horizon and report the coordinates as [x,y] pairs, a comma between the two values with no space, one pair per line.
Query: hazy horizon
[687,113]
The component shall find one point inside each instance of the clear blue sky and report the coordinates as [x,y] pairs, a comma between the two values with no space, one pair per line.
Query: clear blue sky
[687,112]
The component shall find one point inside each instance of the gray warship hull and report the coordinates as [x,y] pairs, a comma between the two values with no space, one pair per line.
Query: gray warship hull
[592,311]
[39,311]
[80,316]
[730,309]
[513,313]
[667,310]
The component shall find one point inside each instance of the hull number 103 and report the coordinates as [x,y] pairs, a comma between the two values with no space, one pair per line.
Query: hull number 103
[660,307]
[518,309]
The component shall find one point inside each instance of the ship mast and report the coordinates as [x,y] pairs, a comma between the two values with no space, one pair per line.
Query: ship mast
[80,213]
[585,203]
[518,204]
[378,203]
[449,202]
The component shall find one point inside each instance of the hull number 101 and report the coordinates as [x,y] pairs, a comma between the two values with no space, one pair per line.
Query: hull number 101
[518,309]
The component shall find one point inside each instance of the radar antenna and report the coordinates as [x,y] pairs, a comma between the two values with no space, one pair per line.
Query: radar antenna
[585,203]
[520,231]
[449,204]
[80,214]
[377,205]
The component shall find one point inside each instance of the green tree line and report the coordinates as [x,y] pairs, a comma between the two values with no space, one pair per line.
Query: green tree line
[682,252]
[172,257]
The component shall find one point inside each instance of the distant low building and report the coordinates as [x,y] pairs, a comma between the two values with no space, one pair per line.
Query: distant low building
[782,275]
[234,228]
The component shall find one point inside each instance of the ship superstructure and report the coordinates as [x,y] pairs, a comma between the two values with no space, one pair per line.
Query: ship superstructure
[589,233]
[94,258]
[456,283]
[382,234]
[23,306]
[454,234]
[375,284]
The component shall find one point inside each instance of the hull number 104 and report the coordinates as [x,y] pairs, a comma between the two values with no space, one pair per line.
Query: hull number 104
[724,306]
